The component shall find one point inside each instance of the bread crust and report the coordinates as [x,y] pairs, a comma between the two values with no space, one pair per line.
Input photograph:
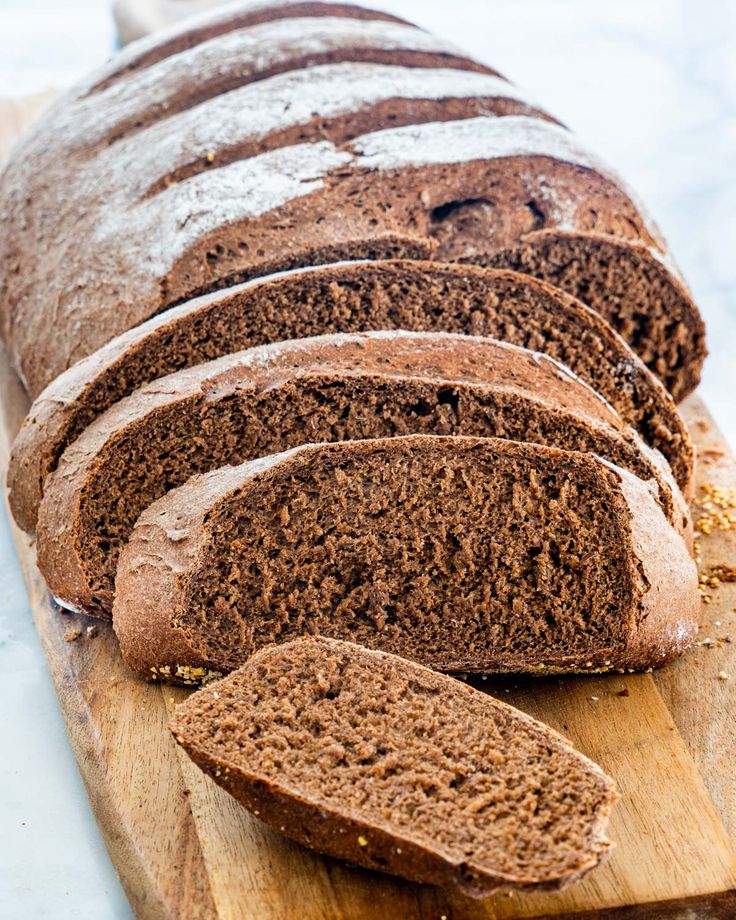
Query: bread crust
[170,538]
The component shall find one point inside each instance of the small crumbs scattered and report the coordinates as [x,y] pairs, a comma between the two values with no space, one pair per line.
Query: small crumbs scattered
[722,675]
[717,506]
[256,813]
[595,698]
[398,850]
[92,631]
[210,157]
[71,635]
[624,692]
[362,841]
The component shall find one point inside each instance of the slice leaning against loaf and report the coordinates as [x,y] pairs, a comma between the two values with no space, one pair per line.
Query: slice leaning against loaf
[346,297]
[464,554]
[377,760]
[331,388]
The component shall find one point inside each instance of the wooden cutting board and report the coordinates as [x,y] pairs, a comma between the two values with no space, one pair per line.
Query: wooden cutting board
[184,849]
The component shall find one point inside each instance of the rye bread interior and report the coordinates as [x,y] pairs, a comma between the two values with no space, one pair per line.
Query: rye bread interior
[463,554]
[629,286]
[257,403]
[374,759]
[347,297]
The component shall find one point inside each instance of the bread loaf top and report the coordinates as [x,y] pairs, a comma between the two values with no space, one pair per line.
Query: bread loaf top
[184,169]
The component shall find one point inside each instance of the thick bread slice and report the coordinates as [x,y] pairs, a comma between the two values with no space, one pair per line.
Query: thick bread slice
[330,388]
[464,554]
[371,758]
[346,298]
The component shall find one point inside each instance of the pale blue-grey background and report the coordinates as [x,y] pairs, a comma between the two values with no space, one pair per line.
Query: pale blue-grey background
[649,84]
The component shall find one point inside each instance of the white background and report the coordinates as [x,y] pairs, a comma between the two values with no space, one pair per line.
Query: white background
[649,84]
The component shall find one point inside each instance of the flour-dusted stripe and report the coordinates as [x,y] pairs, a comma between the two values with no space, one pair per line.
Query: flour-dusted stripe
[183,213]
[478,138]
[233,59]
[249,114]
[197,27]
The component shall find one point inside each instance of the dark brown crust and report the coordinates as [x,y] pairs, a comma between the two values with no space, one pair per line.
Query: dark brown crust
[208,327]
[194,31]
[329,831]
[153,567]
[517,192]
[470,367]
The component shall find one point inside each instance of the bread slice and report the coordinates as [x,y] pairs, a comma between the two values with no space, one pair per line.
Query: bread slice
[465,554]
[371,758]
[626,281]
[345,298]
[330,388]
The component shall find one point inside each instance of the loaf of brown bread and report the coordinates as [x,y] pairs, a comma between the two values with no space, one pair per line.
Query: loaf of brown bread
[464,554]
[345,298]
[330,388]
[377,760]
[215,163]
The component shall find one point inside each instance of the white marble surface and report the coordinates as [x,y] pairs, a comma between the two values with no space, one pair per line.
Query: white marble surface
[650,84]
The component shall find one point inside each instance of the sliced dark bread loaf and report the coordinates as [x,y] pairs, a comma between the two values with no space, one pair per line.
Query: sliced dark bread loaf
[331,388]
[390,192]
[377,760]
[346,298]
[464,554]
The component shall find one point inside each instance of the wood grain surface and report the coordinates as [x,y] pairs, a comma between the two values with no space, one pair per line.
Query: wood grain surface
[184,849]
